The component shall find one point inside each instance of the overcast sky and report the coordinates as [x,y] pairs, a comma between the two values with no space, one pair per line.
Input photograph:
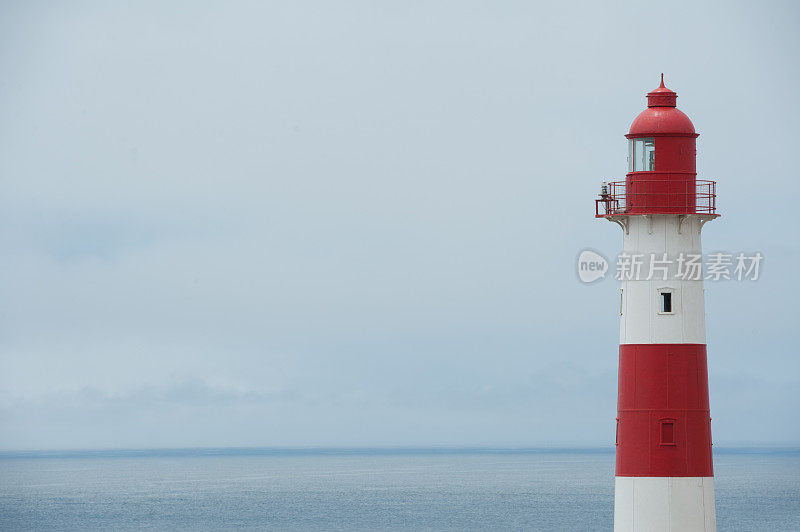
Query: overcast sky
[356,223]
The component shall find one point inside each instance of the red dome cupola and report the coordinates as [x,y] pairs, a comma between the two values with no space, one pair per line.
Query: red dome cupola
[661,116]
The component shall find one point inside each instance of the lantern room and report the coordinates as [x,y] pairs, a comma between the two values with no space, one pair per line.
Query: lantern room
[662,174]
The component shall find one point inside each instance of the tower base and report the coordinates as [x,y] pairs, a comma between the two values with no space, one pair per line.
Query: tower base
[668,504]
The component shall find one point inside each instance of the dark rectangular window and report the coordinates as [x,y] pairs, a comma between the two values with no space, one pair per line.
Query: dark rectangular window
[666,302]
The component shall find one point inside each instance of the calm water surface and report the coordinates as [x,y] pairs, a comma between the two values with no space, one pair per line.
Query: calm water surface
[361,490]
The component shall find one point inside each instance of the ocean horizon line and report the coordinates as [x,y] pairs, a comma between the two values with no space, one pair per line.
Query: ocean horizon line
[349,450]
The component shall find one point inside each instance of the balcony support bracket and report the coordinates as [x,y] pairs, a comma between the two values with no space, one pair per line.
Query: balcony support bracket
[681,219]
[703,220]
[622,221]
[649,218]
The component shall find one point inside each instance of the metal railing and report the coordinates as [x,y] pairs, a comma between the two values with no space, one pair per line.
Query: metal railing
[657,196]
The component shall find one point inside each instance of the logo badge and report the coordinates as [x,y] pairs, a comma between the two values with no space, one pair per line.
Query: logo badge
[591,266]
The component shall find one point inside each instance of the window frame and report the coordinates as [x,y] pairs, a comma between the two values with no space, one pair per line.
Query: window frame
[643,164]
[660,301]
[661,423]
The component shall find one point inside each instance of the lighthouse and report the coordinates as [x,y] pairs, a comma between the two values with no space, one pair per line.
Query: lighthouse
[664,471]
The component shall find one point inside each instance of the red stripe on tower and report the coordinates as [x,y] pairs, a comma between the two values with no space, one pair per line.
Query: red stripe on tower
[663,415]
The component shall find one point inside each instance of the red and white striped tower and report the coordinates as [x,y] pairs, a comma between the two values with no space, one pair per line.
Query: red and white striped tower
[664,471]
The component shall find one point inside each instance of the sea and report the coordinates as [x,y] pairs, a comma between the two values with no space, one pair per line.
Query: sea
[363,489]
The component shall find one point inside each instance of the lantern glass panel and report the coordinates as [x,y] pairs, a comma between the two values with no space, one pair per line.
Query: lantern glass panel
[630,155]
[649,155]
[643,153]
